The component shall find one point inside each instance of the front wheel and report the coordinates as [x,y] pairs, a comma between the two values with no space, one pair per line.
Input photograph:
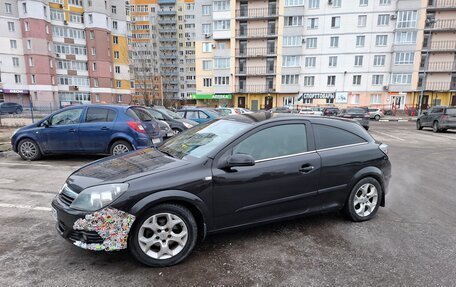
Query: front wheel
[28,150]
[364,200]
[164,236]
[418,125]
[120,147]
[435,127]
[377,117]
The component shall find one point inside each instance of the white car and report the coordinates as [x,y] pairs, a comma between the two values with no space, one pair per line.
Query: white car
[317,111]
[229,111]
[245,111]
[307,112]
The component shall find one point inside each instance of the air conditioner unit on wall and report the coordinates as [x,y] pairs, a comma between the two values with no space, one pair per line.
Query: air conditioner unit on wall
[385,88]
[65,22]
[393,17]
[214,46]
[76,88]
[330,2]
[207,35]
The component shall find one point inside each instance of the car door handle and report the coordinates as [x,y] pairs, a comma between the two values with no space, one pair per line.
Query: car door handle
[72,130]
[306,168]
[105,129]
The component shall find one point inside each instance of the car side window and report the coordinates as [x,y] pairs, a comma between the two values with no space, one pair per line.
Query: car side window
[68,117]
[202,115]
[157,115]
[95,115]
[329,137]
[181,113]
[192,115]
[274,142]
[437,110]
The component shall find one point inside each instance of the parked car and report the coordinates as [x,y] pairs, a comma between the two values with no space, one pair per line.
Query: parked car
[245,111]
[317,111]
[87,129]
[198,115]
[237,171]
[375,114]
[165,130]
[10,108]
[439,118]
[281,110]
[229,111]
[175,121]
[330,111]
[357,114]
[306,111]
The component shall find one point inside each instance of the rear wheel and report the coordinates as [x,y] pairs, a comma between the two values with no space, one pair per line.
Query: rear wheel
[436,127]
[28,150]
[120,147]
[364,200]
[418,125]
[377,117]
[164,236]
[18,111]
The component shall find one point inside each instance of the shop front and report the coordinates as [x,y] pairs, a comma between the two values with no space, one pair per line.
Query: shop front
[213,100]
[18,96]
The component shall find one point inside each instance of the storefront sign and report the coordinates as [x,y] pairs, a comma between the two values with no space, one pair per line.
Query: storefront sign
[341,98]
[305,96]
[15,91]
[212,96]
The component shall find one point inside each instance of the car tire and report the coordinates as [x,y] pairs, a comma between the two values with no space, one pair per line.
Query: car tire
[377,117]
[176,131]
[435,127]
[18,111]
[29,150]
[145,244]
[418,125]
[364,200]
[120,147]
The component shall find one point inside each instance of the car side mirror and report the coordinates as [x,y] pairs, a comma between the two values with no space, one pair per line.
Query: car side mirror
[46,124]
[237,160]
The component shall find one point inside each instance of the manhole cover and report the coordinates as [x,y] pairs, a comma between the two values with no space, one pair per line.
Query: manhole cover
[5,180]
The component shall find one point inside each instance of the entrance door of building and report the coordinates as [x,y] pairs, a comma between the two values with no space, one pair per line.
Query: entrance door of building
[453,101]
[254,106]
[398,102]
[268,103]
[425,103]
[241,102]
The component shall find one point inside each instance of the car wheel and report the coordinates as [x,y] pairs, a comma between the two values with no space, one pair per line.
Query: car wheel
[120,147]
[435,127]
[364,200]
[164,236]
[18,111]
[418,125]
[377,117]
[28,150]
[176,131]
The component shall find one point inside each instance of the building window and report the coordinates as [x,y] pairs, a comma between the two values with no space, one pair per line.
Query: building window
[292,41]
[24,8]
[114,25]
[94,66]
[221,63]
[13,44]
[311,43]
[290,79]
[363,2]
[207,47]
[33,79]
[207,65]
[336,3]
[383,20]
[113,9]
[334,42]
[117,69]
[95,83]
[94,51]
[362,20]
[116,54]
[224,81]
[355,99]
[377,80]
[11,27]
[17,79]
[375,99]
[207,82]
[91,35]
[314,4]
[332,61]
[97,97]
[207,28]
[335,22]
[331,81]
[90,19]
[118,84]
[115,40]
[290,3]
[15,61]
[309,81]
[31,62]
[291,61]
[207,10]
[381,40]
[379,60]
[401,79]
[310,62]
[406,19]
[408,37]
[385,2]
[8,8]
[222,25]
[222,5]
[356,80]
[29,44]
[312,23]
[404,58]
[294,21]
[358,61]
[26,26]
[360,40]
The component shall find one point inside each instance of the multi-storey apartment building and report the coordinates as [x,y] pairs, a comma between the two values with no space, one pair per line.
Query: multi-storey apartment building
[71,51]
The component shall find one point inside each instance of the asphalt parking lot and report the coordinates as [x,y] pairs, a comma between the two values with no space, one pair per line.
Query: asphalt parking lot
[411,242]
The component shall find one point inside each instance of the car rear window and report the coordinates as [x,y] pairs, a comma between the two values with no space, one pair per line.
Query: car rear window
[329,137]
[451,111]
[100,115]
[143,115]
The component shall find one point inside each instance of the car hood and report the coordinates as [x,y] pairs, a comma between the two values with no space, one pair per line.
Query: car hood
[122,168]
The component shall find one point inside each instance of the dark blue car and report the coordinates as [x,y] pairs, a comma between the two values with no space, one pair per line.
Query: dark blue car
[88,129]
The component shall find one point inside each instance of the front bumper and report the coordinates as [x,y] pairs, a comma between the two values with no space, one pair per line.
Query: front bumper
[106,229]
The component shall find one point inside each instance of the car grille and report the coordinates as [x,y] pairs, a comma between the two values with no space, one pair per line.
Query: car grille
[67,195]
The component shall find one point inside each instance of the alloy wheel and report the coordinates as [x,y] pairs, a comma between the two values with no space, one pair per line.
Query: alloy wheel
[365,200]
[119,149]
[28,149]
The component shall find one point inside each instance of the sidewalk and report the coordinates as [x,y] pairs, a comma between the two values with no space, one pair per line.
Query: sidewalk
[398,119]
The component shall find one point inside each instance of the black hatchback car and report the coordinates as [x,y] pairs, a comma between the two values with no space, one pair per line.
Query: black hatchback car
[10,108]
[233,172]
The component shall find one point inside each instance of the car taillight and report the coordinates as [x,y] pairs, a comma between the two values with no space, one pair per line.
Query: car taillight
[384,148]
[137,127]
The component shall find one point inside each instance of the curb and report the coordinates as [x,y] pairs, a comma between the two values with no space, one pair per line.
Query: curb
[397,120]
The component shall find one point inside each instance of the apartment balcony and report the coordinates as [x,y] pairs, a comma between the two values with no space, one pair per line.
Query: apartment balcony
[256,52]
[169,72]
[170,82]
[171,90]
[162,29]
[256,13]
[261,89]
[442,5]
[251,33]
[255,71]
[443,46]
[166,39]
[169,65]
[438,86]
[165,2]
[168,56]
[166,12]
[443,25]
[441,66]
[166,21]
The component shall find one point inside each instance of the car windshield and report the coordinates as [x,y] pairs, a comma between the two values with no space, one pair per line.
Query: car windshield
[202,139]
[171,114]
[451,111]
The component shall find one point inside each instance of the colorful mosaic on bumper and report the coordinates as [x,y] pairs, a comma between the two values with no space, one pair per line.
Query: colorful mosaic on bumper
[111,224]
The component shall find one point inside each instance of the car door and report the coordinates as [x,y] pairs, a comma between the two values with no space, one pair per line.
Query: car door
[282,181]
[193,116]
[62,132]
[203,117]
[426,119]
[96,129]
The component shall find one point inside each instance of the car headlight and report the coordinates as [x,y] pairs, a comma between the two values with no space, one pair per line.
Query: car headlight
[187,125]
[97,197]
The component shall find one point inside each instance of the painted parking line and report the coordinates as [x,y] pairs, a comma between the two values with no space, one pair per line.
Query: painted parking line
[26,164]
[21,206]
[388,135]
